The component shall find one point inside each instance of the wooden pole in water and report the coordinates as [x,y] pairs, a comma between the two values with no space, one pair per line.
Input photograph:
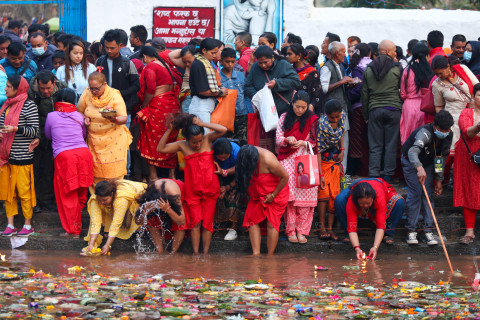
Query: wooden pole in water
[438,229]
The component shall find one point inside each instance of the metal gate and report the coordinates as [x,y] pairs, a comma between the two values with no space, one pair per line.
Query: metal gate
[73,14]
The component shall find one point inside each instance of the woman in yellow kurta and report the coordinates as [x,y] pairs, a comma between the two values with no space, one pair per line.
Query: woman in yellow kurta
[108,137]
[113,205]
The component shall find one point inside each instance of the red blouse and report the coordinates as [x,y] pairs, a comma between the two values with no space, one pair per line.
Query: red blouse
[378,215]
[155,75]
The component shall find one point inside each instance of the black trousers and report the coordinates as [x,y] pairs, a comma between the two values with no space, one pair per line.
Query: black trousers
[43,168]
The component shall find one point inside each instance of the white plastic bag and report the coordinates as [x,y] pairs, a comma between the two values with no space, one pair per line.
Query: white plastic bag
[264,103]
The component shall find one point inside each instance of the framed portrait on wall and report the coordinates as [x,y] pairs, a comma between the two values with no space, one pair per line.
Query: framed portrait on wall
[253,16]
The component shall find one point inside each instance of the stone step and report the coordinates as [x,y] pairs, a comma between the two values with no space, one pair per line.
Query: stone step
[50,242]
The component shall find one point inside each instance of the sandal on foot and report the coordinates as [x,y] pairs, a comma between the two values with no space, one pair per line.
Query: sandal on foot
[301,239]
[466,239]
[333,235]
[388,240]
[292,239]
[323,234]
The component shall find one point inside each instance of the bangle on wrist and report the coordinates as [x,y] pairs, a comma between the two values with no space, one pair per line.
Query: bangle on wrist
[342,149]
[375,247]
[355,248]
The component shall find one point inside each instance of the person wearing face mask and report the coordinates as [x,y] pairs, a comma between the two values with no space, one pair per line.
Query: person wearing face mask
[423,160]
[471,57]
[40,52]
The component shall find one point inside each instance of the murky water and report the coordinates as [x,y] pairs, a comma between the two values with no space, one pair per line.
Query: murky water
[281,269]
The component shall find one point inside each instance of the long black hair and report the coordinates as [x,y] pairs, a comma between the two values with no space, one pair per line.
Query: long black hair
[291,117]
[184,121]
[247,161]
[362,190]
[362,50]
[420,67]
[152,52]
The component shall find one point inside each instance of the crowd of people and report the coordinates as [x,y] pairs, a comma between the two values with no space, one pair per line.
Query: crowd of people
[118,130]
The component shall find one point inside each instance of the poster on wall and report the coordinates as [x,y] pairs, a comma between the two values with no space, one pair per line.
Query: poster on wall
[177,26]
[253,16]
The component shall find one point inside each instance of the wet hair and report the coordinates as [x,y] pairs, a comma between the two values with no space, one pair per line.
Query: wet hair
[291,117]
[15,48]
[264,52]
[374,47]
[113,35]
[458,37]
[354,38]
[271,37]
[67,95]
[362,190]
[58,54]
[300,164]
[195,42]
[68,63]
[46,76]
[15,80]
[444,120]
[364,50]
[37,34]
[420,67]
[97,76]
[153,194]
[435,39]
[208,44]
[247,161]
[140,32]
[188,49]
[222,146]
[293,38]
[411,44]
[245,37]
[399,52]
[152,52]
[4,38]
[333,106]
[105,188]
[184,121]
[229,53]
[332,37]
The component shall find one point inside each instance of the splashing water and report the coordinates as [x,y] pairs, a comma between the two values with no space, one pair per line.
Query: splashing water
[151,211]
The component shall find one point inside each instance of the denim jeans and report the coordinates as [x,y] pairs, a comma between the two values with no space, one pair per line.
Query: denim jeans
[416,200]
[392,221]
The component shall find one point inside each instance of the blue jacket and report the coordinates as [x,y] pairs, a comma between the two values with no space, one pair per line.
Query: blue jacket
[237,82]
[43,62]
[29,66]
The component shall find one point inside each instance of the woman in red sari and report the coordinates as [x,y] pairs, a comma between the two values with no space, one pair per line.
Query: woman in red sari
[258,171]
[202,187]
[303,62]
[159,98]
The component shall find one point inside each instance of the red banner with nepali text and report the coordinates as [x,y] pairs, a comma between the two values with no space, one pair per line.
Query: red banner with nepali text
[177,26]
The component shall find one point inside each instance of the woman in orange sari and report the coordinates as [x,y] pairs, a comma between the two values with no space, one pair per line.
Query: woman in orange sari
[159,98]
[108,138]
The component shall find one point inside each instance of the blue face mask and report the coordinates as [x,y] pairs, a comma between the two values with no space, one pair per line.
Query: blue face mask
[441,135]
[467,55]
[38,51]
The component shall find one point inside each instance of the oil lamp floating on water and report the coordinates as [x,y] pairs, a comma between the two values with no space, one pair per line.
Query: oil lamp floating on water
[319,268]
[2,257]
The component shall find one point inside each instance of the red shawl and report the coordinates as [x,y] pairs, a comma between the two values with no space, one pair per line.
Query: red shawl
[65,107]
[16,105]
[305,71]
[294,131]
[463,75]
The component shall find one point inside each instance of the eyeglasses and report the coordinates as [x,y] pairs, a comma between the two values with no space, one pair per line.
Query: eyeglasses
[95,89]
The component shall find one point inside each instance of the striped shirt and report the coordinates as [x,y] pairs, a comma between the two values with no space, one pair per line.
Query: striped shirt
[27,131]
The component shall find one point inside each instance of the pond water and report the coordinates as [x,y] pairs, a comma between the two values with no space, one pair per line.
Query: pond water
[280,270]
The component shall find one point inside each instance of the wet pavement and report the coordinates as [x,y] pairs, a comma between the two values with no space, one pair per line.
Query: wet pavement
[63,285]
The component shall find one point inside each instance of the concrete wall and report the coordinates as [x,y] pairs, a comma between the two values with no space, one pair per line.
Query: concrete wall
[300,17]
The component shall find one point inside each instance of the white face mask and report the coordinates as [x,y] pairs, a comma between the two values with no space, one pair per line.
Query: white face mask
[38,51]
[467,56]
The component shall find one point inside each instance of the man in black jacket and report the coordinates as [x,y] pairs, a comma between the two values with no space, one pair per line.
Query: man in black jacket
[120,72]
